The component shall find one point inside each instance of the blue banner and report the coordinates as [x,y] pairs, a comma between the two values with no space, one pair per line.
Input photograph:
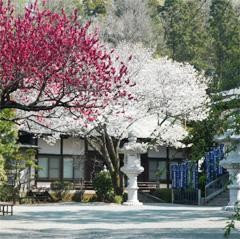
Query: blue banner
[184,175]
[212,159]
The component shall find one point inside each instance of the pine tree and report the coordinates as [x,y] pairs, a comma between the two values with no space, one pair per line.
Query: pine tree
[8,141]
[224,28]
[185,32]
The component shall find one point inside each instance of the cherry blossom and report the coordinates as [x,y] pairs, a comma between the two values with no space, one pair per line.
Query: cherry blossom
[50,60]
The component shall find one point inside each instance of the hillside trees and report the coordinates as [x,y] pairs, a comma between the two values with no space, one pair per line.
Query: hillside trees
[127,20]
[224,28]
[185,31]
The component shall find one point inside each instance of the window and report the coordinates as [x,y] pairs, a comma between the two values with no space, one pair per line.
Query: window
[43,168]
[62,161]
[156,166]
[49,167]
[54,166]
[68,167]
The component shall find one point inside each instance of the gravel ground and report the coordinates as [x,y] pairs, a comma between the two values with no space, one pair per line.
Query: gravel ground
[100,221]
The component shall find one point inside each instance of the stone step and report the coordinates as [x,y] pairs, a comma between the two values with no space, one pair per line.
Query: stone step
[145,197]
[220,200]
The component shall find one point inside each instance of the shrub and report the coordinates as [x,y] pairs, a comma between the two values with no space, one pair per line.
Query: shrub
[67,196]
[6,193]
[89,198]
[102,184]
[118,199]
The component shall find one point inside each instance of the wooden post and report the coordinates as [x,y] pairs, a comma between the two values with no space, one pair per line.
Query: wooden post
[172,195]
[168,167]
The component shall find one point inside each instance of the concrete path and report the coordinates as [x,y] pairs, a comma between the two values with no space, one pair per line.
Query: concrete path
[100,221]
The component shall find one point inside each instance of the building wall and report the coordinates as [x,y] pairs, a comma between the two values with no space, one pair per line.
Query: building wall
[71,159]
[64,160]
[160,160]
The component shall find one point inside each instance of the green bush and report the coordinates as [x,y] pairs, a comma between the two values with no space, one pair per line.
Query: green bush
[118,199]
[103,187]
[6,193]
[163,193]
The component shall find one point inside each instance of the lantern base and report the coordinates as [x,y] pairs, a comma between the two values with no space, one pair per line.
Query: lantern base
[229,208]
[132,203]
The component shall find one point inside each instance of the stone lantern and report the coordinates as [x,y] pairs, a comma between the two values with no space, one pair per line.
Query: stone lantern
[132,166]
[232,164]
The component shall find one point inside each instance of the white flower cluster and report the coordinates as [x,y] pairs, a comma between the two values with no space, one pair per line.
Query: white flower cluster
[163,89]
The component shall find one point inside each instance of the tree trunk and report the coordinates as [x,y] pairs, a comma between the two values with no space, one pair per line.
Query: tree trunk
[108,149]
[117,182]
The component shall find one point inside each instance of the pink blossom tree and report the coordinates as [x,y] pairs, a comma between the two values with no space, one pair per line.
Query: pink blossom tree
[49,60]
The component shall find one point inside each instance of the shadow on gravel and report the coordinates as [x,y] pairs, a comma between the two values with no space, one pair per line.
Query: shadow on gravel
[123,217]
[120,234]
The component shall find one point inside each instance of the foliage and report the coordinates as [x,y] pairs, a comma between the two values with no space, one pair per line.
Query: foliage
[95,7]
[103,186]
[8,140]
[185,31]
[13,160]
[2,171]
[224,53]
[61,191]
[157,23]
[6,193]
[89,198]
[118,199]
[224,28]
[202,133]
[231,224]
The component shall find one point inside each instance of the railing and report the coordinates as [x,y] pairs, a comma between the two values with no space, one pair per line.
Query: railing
[216,187]
[87,185]
[147,186]
[186,196]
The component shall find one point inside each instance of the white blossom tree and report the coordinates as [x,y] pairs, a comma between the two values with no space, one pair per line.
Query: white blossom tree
[164,96]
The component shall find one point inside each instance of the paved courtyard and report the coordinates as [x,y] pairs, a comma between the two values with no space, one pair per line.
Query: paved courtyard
[95,221]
